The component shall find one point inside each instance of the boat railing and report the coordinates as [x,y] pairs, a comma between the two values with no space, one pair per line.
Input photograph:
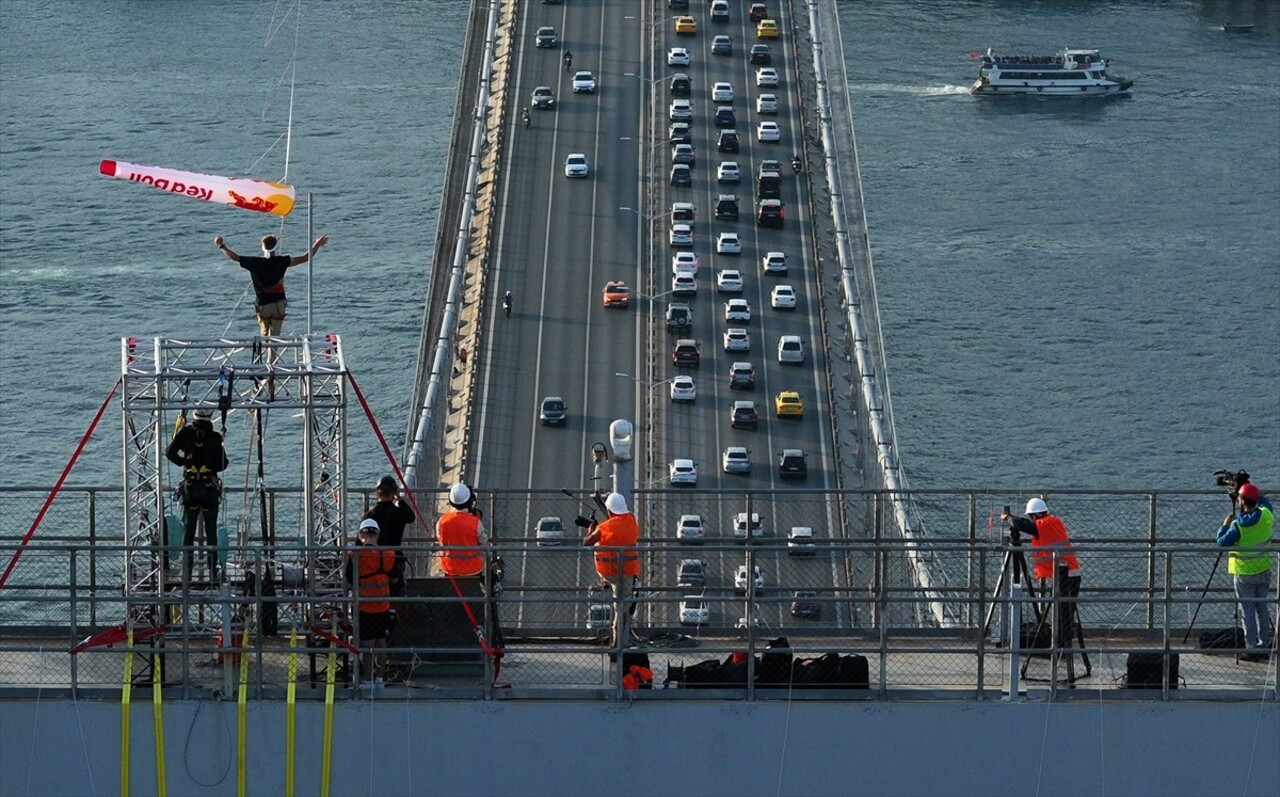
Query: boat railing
[1154,582]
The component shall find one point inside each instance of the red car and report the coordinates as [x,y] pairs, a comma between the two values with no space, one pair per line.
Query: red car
[686,354]
[616,294]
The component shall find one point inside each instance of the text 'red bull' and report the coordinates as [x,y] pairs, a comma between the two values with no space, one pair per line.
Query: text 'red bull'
[259,196]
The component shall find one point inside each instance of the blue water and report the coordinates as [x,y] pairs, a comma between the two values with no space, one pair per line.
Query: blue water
[1073,294]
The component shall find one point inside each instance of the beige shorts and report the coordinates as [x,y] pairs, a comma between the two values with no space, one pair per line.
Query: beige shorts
[271,315]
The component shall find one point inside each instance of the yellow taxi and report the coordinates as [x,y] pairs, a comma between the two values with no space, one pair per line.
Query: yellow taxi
[765,29]
[686,26]
[616,294]
[788,404]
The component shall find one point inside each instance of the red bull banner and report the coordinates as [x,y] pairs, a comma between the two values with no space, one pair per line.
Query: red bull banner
[259,196]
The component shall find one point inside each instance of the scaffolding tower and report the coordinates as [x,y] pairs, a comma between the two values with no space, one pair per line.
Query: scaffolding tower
[162,377]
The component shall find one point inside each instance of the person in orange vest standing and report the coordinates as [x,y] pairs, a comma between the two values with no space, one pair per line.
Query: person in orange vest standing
[615,542]
[461,534]
[1049,540]
[369,571]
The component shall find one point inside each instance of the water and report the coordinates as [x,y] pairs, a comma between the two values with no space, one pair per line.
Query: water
[1074,294]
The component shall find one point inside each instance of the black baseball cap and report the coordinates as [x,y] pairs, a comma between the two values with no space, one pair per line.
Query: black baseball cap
[388,484]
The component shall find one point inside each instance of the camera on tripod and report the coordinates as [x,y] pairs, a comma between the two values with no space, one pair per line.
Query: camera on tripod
[1232,480]
[1015,536]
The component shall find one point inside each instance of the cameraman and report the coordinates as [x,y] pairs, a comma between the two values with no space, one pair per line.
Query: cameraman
[615,539]
[1049,537]
[1248,533]
[460,533]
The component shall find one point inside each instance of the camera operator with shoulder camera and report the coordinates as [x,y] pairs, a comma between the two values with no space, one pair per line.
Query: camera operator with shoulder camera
[1049,538]
[615,539]
[1247,532]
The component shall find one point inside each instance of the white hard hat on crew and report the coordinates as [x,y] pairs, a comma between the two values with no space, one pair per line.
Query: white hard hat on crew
[1036,506]
[616,504]
[460,495]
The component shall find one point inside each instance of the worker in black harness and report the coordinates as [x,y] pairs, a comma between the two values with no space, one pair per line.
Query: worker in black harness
[197,449]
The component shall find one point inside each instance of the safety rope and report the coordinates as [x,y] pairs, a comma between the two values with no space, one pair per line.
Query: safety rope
[126,695]
[495,653]
[326,754]
[48,501]
[290,715]
[157,711]
[241,714]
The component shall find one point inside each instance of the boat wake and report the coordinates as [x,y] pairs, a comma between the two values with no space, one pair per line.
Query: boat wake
[919,91]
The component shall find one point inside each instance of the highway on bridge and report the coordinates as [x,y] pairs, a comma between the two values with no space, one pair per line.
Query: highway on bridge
[560,239]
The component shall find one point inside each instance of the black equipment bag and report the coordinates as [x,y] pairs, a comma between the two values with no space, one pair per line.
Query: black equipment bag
[733,673]
[1146,671]
[703,675]
[1226,638]
[775,663]
[822,672]
[853,672]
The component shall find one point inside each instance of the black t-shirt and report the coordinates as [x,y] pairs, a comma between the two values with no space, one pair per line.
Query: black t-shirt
[392,517]
[268,276]
[197,445]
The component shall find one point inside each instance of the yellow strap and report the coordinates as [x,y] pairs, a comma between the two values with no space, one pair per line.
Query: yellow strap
[290,704]
[327,755]
[241,710]
[126,694]
[158,712]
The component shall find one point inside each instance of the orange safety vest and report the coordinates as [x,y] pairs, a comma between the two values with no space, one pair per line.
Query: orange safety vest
[458,531]
[619,531]
[1052,537]
[374,566]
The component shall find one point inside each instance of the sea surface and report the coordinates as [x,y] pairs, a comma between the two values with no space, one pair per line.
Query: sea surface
[1074,294]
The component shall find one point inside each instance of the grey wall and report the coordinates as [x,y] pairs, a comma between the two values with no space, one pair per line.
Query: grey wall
[666,748]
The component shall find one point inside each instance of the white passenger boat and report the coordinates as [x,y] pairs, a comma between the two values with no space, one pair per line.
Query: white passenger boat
[1070,73]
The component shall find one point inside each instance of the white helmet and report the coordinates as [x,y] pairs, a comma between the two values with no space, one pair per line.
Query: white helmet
[1036,507]
[616,504]
[369,525]
[203,414]
[460,495]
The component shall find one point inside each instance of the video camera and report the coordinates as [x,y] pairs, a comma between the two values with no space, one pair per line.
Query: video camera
[1233,481]
[1015,536]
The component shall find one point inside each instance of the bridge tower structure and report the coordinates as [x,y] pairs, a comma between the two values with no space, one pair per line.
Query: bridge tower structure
[304,378]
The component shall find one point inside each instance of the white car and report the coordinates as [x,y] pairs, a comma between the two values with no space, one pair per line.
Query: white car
[729,281]
[620,439]
[684,284]
[737,339]
[767,103]
[790,350]
[728,243]
[681,110]
[736,459]
[690,529]
[740,526]
[585,83]
[549,531]
[767,76]
[576,165]
[681,235]
[722,92]
[774,263]
[683,472]
[783,297]
[737,310]
[728,172]
[768,131]
[683,389]
[800,541]
[677,56]
[694,610]
[740,579]
[684,261]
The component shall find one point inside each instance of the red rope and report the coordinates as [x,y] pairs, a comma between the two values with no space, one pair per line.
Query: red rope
[489,650]
[57,487]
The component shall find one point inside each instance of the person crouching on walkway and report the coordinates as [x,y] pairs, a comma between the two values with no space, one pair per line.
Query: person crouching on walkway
[372,566]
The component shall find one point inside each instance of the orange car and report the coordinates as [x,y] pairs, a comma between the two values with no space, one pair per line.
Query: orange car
[616,294]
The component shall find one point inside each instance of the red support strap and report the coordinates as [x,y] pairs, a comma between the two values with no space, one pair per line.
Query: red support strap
[342,643]
[115,635]
[48,502]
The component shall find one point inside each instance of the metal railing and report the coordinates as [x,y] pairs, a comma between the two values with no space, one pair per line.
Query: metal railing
[1142,589]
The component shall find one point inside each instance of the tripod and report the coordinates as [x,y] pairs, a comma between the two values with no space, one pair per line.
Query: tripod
[1014,567]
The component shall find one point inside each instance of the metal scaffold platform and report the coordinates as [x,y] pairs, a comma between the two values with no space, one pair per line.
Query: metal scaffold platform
[241,381]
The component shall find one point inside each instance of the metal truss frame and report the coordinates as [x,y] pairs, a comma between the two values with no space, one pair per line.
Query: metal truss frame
[160,377]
